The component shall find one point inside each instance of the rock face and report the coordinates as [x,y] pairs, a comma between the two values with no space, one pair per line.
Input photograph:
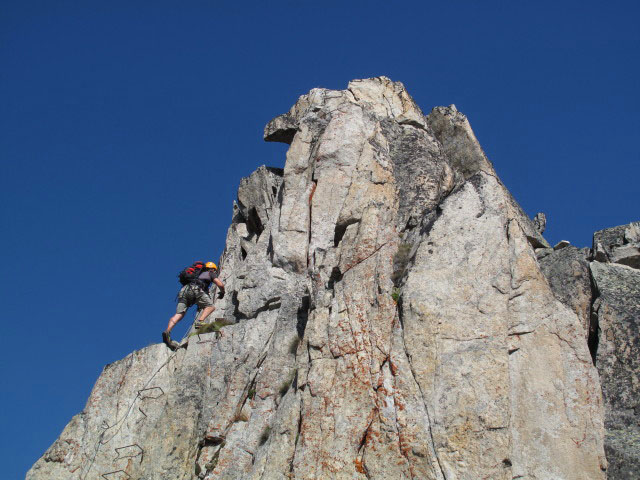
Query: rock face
[620,244]
[567,270]
[606,297]
[390,320]
[617,311]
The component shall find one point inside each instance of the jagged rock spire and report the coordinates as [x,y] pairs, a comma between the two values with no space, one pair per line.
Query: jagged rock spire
[391,321]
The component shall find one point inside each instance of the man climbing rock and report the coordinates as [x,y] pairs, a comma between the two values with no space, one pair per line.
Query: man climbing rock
[196,281]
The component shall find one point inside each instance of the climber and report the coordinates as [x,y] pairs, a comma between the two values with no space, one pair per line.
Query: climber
[196,281]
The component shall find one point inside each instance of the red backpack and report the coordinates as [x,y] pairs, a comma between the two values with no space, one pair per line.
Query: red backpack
[190,274]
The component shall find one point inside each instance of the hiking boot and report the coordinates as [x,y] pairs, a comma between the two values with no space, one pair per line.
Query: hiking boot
[166,338]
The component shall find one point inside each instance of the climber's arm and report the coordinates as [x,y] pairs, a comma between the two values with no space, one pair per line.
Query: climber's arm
[220,285]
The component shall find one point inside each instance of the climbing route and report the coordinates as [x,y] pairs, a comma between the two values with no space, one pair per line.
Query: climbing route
[147,392]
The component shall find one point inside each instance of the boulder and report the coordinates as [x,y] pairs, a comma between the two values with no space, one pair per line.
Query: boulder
[561,244]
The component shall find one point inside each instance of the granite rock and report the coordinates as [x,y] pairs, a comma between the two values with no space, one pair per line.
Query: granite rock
[389,319]
[567,271]
[540,222]
[464,153]
[617,312]
[619,244]
[561,244]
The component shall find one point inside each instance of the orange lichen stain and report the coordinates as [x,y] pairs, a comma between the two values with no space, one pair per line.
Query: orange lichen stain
[313,190]
[327,467]
[405,451]
[359,466]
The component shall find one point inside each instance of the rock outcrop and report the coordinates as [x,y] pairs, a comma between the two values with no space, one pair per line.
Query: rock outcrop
[619,244]
[601,286]
[616,309]
[389,319]
[567,270]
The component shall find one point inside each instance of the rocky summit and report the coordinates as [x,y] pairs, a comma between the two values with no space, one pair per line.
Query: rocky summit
[392,313]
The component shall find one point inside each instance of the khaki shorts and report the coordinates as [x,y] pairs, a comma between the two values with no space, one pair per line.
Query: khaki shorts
[193,295]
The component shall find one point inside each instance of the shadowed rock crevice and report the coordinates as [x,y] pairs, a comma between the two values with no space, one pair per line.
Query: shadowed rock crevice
[270,251]
[593,339]
[254,224]
[335,277]
[282,129]
[278,172]
[340,230]
[236,304]
[302,315]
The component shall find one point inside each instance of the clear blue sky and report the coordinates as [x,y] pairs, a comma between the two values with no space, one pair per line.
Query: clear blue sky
[125,128]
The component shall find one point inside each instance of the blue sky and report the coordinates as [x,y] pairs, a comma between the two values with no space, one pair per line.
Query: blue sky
[125,129]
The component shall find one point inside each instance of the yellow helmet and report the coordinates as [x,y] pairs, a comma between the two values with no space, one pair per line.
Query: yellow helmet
[211,265]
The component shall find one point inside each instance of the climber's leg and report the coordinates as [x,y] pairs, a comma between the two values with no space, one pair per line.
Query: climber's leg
[173,321]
